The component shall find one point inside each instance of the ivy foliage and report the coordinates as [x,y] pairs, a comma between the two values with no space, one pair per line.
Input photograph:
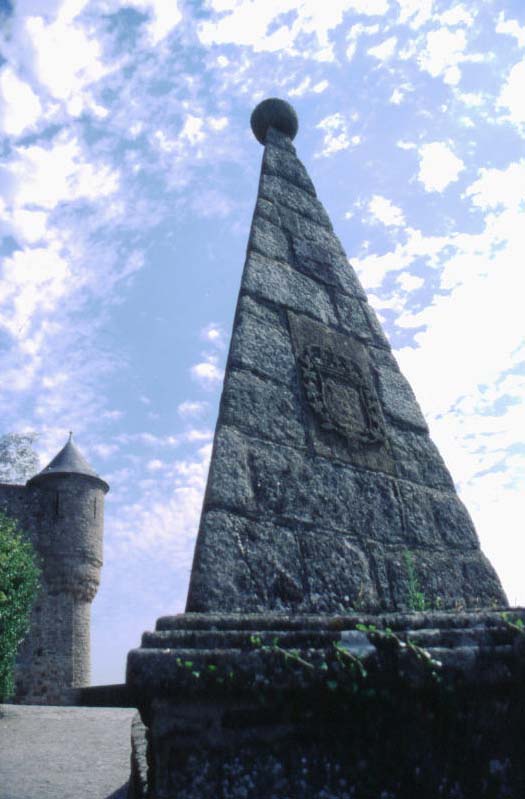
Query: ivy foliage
[19,584]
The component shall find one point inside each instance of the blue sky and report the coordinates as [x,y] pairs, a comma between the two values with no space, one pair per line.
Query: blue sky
[127,184]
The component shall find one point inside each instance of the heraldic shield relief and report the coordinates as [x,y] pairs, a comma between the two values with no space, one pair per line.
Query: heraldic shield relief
[345,416]
[339,395]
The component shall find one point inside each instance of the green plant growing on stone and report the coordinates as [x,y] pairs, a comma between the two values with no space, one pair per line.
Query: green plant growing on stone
[416,597]
[420,654]
[515,623]
[19,584]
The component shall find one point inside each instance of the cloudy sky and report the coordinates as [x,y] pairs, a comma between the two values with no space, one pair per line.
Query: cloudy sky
[128,180]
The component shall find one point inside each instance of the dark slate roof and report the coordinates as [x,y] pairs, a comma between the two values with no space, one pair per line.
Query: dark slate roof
[68,461]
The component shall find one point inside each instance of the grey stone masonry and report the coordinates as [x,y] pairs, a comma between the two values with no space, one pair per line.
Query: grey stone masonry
[325,492]
[267,705]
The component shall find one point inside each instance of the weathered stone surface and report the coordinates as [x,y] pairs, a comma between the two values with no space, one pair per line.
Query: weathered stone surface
[268,482]
[278,568]
[246,565]
[328,265]
[433,516]
[338,573]
[417,458]
[382,357]
[345,416]
[281,284]
[302,227]
[319,433]
[353,318]
[282,164]
[275,114]
[281,192]
[269,240]
[288,704]
[261,343]
[380,339]
[277,139]
[262,409]
[398,399]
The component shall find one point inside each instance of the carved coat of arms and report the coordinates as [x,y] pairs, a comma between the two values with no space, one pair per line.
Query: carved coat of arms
[340,396]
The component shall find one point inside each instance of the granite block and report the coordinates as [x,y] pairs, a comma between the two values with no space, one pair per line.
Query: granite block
[260,408]
[284,286]
[261,345]
[268,240]
[283,193]
[417,458]
[398,399]
[282,164]
[327,264]
[255,478]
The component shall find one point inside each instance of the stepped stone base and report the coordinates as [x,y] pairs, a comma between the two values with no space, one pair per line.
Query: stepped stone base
[274,706]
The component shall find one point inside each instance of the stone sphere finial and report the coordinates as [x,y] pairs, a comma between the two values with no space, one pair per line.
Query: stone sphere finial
[274,113]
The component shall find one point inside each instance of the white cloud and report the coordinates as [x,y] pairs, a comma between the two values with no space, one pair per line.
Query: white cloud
[46,176]
[512,95]
[33,281]
[254,23]
[406,145]
[214,334]
[496,187]
[445,49]
[190,409]
[165,17]
[218,123]
[198,435]
[354,34]
[471,99]
[320,87]
[335,135]
[438,166]
[409,282]
[306,86]
[417,11]
[207,373]
[385,50]
[373,268]
[512,28]
[192,129]
[166,526]
[399,93]
[56,44]
[385,211]
[370,8]
[457,15]
[28,227]
[20,107]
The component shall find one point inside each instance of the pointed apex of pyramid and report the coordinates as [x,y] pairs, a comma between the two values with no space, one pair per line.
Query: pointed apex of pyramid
[274,113]
[68,461]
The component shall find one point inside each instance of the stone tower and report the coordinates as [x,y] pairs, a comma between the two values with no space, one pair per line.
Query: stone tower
[344,634]
[62,510]
[325,491]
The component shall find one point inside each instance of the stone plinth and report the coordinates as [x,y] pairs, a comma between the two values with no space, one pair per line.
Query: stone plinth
[297,707]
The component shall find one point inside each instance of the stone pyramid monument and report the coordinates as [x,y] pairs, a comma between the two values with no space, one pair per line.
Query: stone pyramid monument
[325,491]
[344,635]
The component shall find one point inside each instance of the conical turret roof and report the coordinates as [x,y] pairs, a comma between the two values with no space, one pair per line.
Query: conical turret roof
[68,461]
